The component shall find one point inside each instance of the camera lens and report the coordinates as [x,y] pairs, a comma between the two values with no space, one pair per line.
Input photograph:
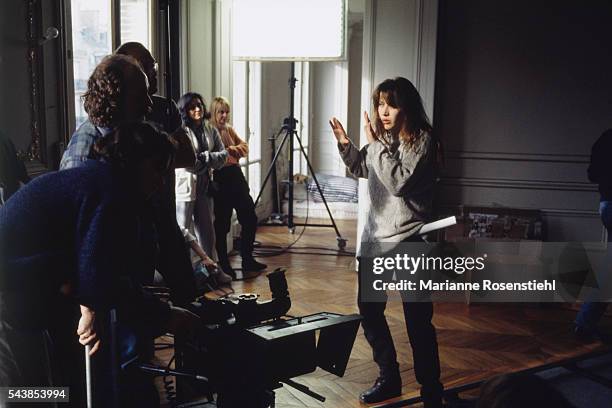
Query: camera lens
[278,284]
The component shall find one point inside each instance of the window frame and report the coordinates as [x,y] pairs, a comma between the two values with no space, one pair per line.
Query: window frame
[115,32]
[251,121]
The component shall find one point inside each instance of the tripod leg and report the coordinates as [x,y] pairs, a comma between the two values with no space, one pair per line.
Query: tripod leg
[341,241]
[274,159]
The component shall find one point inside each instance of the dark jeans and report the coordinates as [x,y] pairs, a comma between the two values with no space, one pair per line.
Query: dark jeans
[591,312]
[422,336]
[234,194]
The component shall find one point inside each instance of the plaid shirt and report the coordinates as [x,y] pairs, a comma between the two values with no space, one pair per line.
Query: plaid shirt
[80,145]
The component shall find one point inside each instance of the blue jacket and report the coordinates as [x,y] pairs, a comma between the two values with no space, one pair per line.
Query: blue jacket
[74,231]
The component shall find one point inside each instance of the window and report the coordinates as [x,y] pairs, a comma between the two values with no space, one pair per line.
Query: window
[135,21]
[246,116]
[93,38]
[301,112]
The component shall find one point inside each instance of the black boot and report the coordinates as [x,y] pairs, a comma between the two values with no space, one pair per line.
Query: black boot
[383,389]
[432,396]
[251,265]
[433,402]
[227,268]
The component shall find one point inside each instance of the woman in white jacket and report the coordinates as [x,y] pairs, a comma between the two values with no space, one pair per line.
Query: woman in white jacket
[194,211]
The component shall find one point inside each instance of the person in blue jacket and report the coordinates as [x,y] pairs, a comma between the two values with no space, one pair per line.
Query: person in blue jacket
[76,237]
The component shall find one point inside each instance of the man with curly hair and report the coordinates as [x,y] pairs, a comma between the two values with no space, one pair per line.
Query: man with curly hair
[87,254]
[117,91]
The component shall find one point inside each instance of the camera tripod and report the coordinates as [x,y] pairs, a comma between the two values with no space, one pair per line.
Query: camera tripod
[289,130]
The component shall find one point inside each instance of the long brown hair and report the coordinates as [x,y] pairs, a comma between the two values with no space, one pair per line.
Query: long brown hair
[400,93]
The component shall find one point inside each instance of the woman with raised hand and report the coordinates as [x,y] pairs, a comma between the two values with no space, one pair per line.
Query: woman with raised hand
[399,162]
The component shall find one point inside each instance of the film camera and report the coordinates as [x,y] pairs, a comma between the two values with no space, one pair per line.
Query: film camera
[248,348]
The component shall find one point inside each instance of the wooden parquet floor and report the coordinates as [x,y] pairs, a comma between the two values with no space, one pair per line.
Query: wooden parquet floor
[475,342]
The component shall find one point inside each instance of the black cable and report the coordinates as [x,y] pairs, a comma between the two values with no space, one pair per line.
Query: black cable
[345,254]
[266,251]
[273,250]
[320,248]
[284,250]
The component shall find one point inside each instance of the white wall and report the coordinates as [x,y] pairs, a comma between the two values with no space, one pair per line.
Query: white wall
[206,50]
[355,55]
[199,50]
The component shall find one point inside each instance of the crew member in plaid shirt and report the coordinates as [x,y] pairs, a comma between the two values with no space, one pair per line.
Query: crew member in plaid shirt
[115,93]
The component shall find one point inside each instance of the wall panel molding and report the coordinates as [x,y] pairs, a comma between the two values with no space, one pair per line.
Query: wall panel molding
[518,157]
[518,184]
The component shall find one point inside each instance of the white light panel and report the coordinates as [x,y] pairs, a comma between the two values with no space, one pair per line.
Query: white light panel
[288,30]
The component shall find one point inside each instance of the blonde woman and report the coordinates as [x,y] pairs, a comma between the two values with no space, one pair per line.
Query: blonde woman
[233,193]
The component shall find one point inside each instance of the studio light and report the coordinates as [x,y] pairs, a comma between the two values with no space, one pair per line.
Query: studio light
[289,30]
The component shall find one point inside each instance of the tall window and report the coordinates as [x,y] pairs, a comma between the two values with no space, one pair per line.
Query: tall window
[91,41]
[136,21]
[93,37]
[246,116]
[302,114]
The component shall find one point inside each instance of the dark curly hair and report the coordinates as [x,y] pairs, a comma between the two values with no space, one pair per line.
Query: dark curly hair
[183,106]
[132,142]
[103,98]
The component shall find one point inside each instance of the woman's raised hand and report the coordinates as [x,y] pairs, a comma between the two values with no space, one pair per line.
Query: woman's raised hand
[369,131]
[339,131]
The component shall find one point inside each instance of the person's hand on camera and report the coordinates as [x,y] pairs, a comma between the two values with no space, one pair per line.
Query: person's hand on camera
[339,131]
[86,330]
[369,131]
[183,322]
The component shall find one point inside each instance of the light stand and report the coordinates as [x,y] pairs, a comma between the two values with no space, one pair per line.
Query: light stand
[289,128]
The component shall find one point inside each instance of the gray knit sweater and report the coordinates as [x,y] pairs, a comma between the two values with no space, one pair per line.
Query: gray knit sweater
[400,182]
